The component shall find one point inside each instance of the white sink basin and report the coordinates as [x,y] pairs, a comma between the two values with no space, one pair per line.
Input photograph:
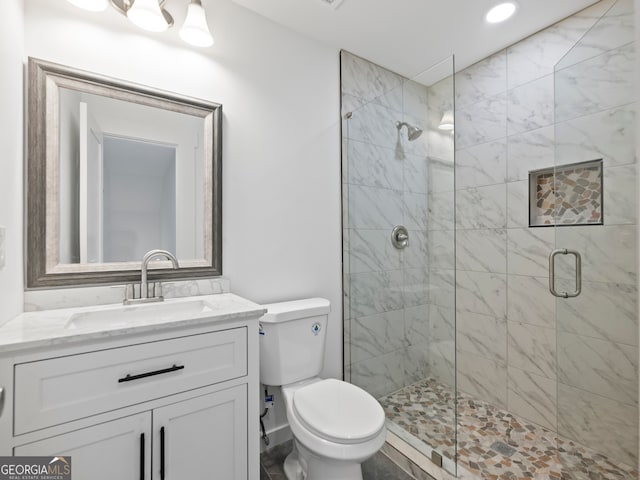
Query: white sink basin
[122,316]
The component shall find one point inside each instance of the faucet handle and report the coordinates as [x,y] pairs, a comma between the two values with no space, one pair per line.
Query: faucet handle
[154,290]
[157,290]
[129,292]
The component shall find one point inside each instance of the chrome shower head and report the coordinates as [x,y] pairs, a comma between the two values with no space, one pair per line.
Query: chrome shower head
[412,132]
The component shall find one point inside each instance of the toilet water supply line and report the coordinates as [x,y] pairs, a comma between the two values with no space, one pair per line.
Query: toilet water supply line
[268,403]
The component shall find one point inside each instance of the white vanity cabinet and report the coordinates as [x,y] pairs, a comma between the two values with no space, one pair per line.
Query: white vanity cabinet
[115,449]
[203,437]
[171,404]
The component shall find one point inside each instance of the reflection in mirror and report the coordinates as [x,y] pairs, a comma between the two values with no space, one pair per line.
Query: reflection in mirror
[124,170]
[136,166]
[139,199]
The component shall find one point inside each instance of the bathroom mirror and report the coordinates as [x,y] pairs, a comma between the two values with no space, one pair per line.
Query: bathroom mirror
[116,169]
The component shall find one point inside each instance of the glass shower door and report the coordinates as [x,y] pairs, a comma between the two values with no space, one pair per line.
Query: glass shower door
[398,255]
[589,199]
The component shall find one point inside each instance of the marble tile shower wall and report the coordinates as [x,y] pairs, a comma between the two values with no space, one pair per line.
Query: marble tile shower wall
[577,375]
[384,184]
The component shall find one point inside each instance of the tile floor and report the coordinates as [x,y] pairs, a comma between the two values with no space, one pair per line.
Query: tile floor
[493,443]
[379,467]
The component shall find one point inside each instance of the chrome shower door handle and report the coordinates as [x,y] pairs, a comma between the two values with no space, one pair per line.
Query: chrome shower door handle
[552,272]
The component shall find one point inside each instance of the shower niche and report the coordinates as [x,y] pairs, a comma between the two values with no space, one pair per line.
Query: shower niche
[568,194]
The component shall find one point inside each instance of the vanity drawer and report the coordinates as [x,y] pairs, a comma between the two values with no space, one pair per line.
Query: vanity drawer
[62,389]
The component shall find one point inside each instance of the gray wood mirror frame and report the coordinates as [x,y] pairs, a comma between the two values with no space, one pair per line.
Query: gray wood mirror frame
[76,232]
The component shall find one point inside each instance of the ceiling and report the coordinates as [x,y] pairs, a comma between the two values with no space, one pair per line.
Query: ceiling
[409,36]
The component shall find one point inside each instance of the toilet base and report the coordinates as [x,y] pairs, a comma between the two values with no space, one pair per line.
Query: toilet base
[292,467]
[302,464]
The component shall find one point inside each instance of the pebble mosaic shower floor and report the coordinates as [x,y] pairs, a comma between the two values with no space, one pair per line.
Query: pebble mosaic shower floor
[493,443]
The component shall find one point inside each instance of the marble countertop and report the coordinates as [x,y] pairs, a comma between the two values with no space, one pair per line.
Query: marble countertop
[55,327]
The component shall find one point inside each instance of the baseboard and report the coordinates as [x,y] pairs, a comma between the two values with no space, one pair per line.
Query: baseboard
[277,435]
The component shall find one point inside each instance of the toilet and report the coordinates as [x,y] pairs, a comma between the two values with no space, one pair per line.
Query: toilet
[336,426]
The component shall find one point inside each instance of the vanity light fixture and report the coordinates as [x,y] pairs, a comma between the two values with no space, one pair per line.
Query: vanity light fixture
[446,123]
[195,30]
[147,15]
[501,12]
[151,15]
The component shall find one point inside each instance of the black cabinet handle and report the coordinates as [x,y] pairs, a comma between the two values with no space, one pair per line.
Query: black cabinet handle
[130,378]
[162,453]
[142,456]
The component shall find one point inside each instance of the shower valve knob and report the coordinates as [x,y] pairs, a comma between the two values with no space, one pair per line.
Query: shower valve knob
[400,237]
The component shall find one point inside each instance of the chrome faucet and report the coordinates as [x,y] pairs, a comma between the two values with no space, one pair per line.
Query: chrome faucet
[130,292]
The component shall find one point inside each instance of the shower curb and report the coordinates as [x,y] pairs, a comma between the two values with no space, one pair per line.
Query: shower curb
[416,464]
[411,461]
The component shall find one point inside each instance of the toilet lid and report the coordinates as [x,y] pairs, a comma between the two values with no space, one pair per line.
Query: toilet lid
[338,411]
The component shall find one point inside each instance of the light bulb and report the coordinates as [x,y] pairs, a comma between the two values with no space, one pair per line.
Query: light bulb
[500,12]
[147,15]
[91,5]
[195,30]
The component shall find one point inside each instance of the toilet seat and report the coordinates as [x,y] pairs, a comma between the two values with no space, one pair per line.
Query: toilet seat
[338,411]
[357,451]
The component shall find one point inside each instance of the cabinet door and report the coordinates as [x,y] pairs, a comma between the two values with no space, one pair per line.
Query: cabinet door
[203,438]
[120,449]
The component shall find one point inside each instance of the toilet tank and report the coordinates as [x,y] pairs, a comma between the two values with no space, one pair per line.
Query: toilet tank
[292,338]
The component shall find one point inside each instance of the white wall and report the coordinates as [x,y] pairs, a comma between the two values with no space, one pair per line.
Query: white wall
[281,140]
[11,32]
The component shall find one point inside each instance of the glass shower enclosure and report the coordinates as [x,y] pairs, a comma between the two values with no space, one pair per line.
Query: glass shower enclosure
[491,277]
[594,221]
[399,248]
